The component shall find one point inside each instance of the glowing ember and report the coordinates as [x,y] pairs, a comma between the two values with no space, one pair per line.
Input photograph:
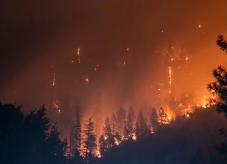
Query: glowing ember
[125,56]
[77,58]
[86,80]
[54,81]
[199,25]
[98,154]
[188,115]
[170,79]
[116,142]
[56,106]
[97,67]
[78,55]
[134,137]
[186,58]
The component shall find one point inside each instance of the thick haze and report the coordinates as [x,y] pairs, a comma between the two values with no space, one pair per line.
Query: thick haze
[40,38]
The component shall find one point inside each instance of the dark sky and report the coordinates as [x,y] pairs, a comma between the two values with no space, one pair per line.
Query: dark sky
[40,38]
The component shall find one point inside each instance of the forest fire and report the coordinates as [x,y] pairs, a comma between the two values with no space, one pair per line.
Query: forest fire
[118,80]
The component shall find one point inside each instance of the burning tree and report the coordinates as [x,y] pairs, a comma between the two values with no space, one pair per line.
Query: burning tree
[129,129]
[121,119]
[90,145]
[154,120]
[114,129]
[142,129]
[163,116]
[107,139]
[75,137]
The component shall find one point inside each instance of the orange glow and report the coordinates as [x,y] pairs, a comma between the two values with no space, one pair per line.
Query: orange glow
[98,154]
[86,80]
[54,81]
[200,26]
[134,137]
[116,142]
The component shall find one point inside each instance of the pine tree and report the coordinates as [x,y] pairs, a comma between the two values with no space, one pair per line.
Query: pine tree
[114,124]
[75,137]
[56,148]
[90,145]
[163,116]
[142,129]
[222,43]
[219,87]
[121,119]
[114,129]
[129,129]
[154,120]
[107,139]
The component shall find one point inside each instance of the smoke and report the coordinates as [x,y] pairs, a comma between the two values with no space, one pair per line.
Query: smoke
[40,38]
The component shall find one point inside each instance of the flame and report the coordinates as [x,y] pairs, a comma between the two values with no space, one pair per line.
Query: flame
[86,80]
[56,106]
[170,79]
[54,80]
[134,138]
[200,26]
[116,142]
[98,154]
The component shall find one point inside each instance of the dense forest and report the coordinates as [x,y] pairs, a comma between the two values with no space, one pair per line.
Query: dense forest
[128,136]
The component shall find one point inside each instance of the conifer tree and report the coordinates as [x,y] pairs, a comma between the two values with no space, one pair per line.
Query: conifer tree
[129,126]
[142,129]
[75,137]
[219,87]
[154,120]
[107,139]
[90,145]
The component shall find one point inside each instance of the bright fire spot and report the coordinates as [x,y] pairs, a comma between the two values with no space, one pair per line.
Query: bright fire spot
[188,115]
[116,142]
[56,106]
[86,80]
[77,57]
[54,81]
[199,25]
[98,154]
[105,137]
[170,79]
[134,137]
[205,102]
[186,58]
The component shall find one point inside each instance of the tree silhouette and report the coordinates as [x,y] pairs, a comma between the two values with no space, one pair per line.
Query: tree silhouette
[107,139]
[36,130]
[221,42]
[75,136]
[25,139]
[56,148]
[142,129]
[11,137]
[219,87]
[129,129]
[121,119]
[90,145]
[154,120]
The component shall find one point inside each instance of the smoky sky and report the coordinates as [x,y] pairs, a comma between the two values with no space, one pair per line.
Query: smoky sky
[40,38]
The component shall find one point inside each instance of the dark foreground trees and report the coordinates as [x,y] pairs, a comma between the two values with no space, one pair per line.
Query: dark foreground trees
[26,139]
